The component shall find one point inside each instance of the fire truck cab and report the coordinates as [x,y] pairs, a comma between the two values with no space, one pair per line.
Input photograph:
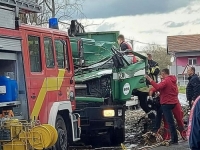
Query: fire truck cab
[36,74]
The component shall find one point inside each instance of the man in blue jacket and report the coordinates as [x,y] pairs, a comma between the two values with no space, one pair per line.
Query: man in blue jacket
[193,87]
[193,133]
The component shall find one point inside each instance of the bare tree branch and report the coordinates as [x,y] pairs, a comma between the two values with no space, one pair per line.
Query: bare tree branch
[159,55]
[48,5]
[41,2]
[62,9]
[93,24]
[64,22]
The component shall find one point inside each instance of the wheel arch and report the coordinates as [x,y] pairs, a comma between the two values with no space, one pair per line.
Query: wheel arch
[61,108]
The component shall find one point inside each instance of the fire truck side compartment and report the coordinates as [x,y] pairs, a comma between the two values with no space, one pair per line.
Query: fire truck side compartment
[11,64]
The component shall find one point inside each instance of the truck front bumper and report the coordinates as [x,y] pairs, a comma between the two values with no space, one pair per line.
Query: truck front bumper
[100,119]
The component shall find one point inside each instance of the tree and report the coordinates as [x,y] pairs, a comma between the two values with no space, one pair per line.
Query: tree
[159,54]
[62,9]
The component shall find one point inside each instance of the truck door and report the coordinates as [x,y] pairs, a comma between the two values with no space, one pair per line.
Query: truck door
[51,71]
[34,66]
[63,67]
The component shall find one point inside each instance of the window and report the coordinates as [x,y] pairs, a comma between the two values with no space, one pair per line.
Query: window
[192,61]
[35,53]
[49,53]
[60,53]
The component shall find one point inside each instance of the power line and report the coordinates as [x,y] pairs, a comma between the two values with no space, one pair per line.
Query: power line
[144,42]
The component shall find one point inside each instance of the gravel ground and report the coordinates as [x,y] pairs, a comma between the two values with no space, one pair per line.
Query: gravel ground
[181,146]
[134,131]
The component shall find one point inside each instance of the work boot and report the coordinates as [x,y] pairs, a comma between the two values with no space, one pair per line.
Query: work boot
[173,143]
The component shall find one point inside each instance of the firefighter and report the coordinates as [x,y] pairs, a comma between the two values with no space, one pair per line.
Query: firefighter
[142,93]
[125,46]
[153,68]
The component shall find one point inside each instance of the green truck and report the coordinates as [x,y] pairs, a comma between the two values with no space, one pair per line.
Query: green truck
[104,81]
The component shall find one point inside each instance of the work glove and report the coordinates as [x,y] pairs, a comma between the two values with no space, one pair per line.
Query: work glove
[149,98]
[157,94]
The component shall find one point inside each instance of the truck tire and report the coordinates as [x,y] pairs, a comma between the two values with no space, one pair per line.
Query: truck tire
[117,136]
[62,142]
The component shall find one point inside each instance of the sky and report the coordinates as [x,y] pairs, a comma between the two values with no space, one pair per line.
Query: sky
[148,21]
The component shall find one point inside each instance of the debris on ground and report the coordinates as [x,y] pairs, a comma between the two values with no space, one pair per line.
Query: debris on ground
[139,137]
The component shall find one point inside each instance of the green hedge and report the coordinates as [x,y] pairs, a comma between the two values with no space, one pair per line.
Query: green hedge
[182,89]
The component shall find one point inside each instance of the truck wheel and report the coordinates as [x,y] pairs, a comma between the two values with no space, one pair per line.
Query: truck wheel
[117,136]
[62,143]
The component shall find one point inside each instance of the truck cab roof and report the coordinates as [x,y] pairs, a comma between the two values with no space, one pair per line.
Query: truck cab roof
[42,29]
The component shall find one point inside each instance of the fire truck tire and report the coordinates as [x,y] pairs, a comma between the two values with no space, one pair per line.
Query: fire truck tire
[62,142]
[117,136]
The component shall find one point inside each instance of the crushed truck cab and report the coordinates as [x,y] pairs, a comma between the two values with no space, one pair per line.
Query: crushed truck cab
[104,81]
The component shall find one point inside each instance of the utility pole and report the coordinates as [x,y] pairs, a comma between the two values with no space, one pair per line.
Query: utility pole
[132,43]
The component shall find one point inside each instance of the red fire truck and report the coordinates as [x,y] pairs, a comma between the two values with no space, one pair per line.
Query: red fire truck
[40,62]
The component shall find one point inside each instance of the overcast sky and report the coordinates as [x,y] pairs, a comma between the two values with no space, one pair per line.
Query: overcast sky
[148,21]
[113,8]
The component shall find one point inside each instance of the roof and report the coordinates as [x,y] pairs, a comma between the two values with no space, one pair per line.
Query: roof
[183,43]
[39,29]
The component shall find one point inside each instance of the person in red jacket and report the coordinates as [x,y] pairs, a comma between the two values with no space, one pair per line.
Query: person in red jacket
[178,115]
[125,46]
[168,99]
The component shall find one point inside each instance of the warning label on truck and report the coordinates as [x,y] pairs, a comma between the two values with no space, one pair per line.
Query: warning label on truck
[126,88]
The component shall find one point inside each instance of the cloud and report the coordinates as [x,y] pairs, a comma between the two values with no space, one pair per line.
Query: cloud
[151,28]
[172,24]
[113,8]
[106,26]
[153,31]
[197,21]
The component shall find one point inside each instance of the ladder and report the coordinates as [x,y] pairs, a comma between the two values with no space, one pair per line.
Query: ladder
[22,5]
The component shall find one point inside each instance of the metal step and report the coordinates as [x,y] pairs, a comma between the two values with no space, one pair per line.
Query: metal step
[25,5]
[8,104]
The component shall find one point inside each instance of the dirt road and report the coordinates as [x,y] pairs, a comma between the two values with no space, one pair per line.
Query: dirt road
[182,146]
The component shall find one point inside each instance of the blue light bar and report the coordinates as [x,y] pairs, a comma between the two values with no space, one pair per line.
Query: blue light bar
[53,23]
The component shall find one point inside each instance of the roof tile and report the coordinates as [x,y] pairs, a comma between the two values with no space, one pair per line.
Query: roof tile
[183,43]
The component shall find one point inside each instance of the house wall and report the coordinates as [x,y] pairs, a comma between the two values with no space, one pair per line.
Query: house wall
[183,61]
[178,66]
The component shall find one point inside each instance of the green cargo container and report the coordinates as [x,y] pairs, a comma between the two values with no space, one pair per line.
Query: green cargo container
[110,36]
[93,51]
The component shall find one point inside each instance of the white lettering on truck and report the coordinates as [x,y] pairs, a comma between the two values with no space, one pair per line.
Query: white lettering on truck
[126,89]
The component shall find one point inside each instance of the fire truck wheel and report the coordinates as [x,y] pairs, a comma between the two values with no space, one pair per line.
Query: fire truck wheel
[61,143]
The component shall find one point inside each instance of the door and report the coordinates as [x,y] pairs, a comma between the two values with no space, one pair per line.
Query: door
[36,75]
[63,68]
[51,71]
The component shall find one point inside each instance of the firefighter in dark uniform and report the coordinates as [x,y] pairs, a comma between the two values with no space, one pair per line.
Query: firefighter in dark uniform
[153,72]
[153,68]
